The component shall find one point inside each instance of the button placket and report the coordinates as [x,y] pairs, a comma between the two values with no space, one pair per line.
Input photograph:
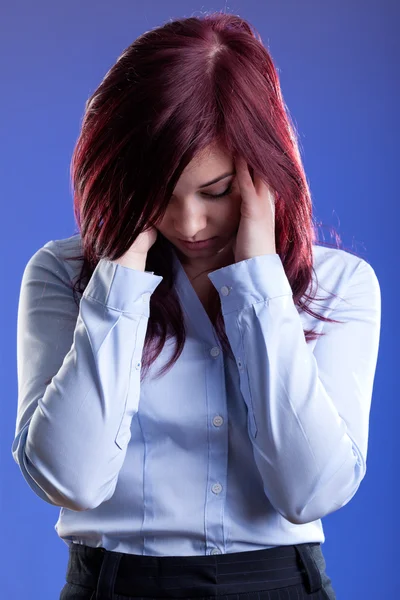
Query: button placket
[218,443]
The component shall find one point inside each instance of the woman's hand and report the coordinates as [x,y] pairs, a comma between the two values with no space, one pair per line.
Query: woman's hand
[135,257]
[256,233]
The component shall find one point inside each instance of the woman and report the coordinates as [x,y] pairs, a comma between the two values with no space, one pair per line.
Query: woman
[189,405]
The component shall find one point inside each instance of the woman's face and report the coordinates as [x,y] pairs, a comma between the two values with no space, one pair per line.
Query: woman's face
[194,215]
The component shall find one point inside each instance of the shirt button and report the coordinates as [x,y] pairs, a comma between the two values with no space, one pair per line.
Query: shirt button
[138,364]
[146,296]
[225,290]
[217,488]
[214,351]
[217,421]
[215,551]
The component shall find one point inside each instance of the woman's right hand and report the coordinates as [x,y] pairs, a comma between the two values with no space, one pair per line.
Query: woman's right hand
[135,257]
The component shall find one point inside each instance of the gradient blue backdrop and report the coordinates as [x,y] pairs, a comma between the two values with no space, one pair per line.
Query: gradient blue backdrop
[338,64]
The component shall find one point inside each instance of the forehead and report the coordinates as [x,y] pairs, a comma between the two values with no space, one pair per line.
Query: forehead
[205,166]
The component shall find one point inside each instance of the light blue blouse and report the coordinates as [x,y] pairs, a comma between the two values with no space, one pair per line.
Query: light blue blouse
[217,455]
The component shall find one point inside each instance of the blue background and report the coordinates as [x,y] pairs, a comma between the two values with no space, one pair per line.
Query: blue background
[338,65]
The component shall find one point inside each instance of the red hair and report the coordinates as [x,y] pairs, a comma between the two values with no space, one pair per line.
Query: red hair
[176,90]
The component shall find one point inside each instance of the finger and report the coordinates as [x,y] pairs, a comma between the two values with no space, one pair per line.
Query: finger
[243,171]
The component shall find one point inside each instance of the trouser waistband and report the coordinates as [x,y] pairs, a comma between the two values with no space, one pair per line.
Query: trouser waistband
[181,576]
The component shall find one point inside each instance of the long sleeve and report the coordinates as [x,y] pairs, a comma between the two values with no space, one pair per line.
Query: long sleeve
[72,435]
[308,410]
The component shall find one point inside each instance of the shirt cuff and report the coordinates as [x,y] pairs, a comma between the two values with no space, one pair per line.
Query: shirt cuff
[122,288]
[247,282]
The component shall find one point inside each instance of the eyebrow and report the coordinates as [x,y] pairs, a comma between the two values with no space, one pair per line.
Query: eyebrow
[217,179]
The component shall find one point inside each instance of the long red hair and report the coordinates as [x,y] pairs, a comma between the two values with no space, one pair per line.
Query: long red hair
[174,91]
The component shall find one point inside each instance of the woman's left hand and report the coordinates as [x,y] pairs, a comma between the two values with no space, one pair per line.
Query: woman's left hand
[256,233]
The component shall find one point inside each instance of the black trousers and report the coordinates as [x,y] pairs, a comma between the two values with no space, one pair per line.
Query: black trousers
[280,573]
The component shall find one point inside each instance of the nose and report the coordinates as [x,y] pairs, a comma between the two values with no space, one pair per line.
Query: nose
[189,221]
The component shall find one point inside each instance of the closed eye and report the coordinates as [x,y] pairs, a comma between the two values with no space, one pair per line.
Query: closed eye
[225,193]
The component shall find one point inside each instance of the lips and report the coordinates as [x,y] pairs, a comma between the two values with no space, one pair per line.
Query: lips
[199,245]
[198,241]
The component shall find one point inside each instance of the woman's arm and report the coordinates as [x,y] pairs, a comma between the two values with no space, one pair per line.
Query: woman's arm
[72,435]
[308,410]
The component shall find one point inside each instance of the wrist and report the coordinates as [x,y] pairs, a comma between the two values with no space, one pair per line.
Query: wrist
[137,262]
